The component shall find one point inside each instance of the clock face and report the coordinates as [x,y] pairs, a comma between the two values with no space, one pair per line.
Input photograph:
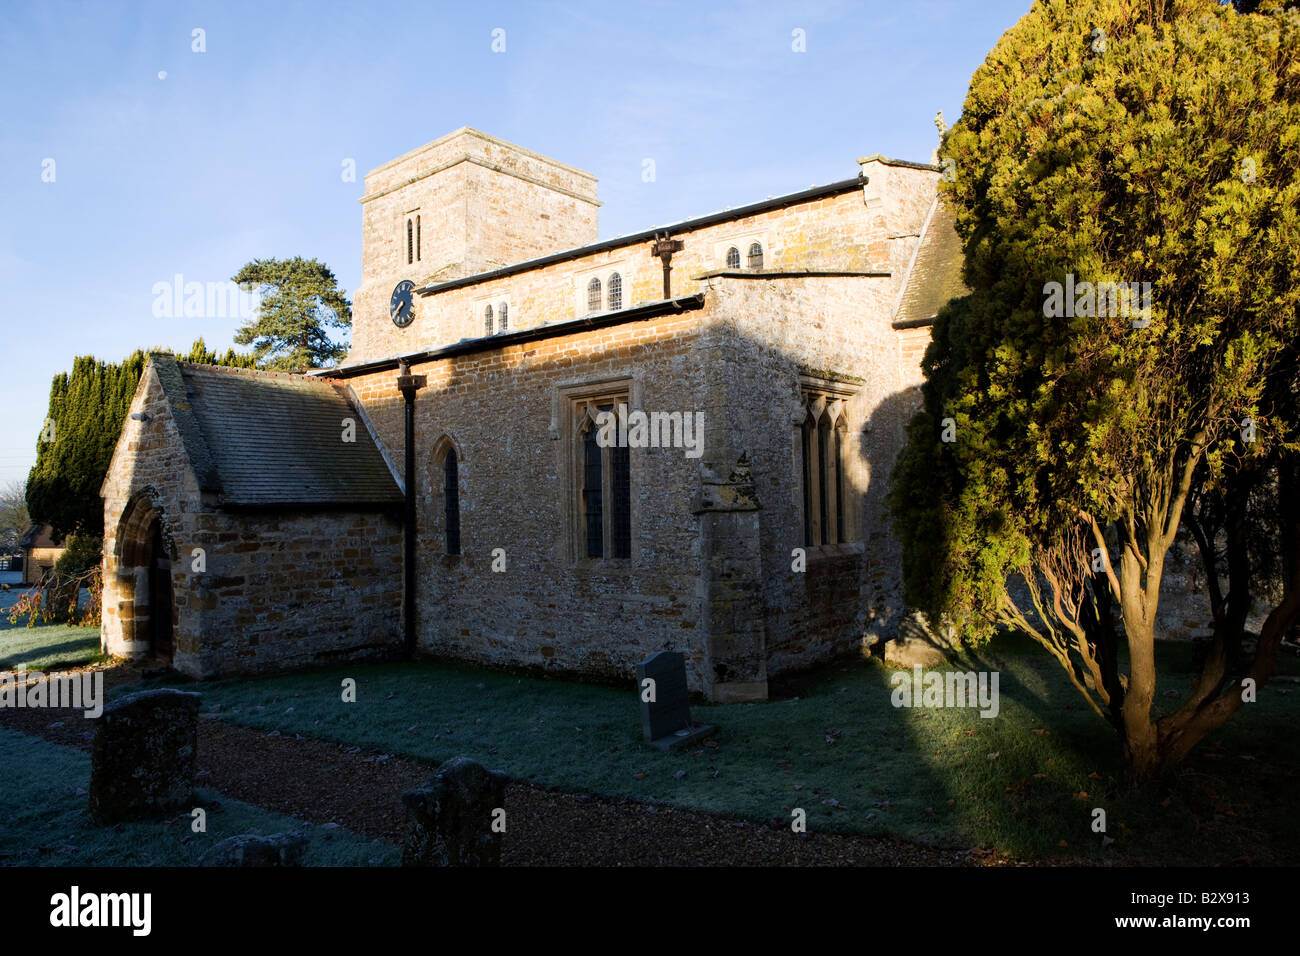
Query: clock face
[402,305]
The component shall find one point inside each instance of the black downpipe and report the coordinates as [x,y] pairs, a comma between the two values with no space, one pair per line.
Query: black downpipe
[408,385]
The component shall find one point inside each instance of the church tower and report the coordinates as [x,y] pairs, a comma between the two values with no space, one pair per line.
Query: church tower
[464,204]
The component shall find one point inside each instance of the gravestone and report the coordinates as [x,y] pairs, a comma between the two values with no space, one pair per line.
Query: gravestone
[666,720]
[250,849]
[143,754]
[451,817]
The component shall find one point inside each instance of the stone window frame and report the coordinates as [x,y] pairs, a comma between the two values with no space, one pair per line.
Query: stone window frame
[437,471]
[614,291]
[411,235]
[755,252]
[497,302]
[833,402]
[741,243]
[604,272]
[573,403]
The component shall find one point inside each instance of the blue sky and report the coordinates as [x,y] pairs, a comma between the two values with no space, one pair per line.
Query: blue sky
[237,152]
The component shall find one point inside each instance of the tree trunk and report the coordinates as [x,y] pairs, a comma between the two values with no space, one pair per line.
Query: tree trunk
[1137,733]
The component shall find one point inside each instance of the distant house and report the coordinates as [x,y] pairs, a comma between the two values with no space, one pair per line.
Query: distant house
[39,553]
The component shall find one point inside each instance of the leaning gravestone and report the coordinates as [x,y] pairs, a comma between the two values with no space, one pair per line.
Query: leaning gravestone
[143,754]
[451,817]
[665,702]
[250,849]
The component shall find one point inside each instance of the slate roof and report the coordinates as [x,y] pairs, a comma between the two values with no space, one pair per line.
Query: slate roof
[273,438]
[935,276]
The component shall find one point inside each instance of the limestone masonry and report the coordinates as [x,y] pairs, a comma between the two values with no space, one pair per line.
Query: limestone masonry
[795,326]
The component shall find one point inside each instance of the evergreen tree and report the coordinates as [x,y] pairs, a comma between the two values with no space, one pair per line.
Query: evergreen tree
[1104,142]
[87,408]
[300,302]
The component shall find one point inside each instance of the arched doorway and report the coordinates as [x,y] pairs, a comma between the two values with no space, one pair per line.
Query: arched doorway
[160,593]
[145,572]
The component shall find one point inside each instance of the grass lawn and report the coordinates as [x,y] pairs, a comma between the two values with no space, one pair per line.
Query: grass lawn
[45,647]
[1026,782]
[41,810]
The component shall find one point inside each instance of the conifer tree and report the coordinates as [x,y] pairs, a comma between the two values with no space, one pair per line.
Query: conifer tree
[300,301]
[1114,141]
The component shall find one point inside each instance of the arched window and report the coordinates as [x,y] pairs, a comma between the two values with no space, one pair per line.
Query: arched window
[839,435]
[410,244]
[733,258]
[487,321]
[593,493]
[809,469]
[825,480]
[451,501]
[503,313]
[593,295]
[823,437]
[615,292]
[755,256]
[417,238]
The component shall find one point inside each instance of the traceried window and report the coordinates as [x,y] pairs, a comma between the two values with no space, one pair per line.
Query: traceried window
[487,320]
[451,501]
[823,435]
[503,315]
[593,295]
[733,258]
[615,292]
[755,256]
[603,509]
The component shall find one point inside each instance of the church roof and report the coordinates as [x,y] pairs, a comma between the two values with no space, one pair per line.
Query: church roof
[935,275]
[274,438]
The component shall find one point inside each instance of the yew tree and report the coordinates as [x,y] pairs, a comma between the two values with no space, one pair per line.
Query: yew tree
[1117,141]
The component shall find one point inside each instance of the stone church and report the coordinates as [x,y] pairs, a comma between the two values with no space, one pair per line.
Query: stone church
[452,488]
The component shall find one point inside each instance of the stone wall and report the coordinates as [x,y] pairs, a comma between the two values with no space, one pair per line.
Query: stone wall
[837,331]
[37,561]
[505,412]
[278,589]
